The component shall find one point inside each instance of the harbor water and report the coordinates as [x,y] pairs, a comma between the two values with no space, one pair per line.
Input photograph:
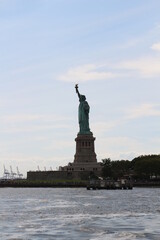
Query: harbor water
[78,214]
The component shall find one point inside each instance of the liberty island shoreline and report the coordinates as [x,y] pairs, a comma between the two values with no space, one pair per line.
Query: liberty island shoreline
[24,183]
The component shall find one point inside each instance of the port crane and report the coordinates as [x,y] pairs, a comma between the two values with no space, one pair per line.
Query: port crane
[20,175]
[6,174]
[13,174]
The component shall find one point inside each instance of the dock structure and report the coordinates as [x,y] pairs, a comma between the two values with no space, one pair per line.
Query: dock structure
[109,184]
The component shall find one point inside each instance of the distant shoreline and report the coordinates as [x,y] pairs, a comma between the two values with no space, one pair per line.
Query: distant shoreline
[64,184]
[29,184]
[147,184]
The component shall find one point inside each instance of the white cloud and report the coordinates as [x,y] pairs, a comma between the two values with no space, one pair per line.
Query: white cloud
[33,117]
[156,46]
[102,127]
[86,73]
[145,67]
[130,43]
[143,110]
[20,118]
[32,123]
[16,129]
[60,144]
[119,148]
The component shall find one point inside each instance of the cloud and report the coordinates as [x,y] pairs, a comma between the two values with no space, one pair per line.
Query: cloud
[143,110]
[60,144]
[86,73]
[144,67]
[119,148]
[147,66]
[32,117]
[27,129]
[156,46]
[140,111]
[102,127]
[32,123]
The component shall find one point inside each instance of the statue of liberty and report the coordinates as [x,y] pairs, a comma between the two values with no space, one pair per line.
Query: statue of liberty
[83,114]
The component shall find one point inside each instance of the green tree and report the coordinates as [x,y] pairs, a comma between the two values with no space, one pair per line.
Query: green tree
[121,168]
[106,167]
[146,166]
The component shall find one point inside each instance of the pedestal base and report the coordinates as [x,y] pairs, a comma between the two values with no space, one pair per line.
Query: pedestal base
[85,157]
[85,152]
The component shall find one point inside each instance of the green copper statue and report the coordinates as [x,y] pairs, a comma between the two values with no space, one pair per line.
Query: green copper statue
[83,114]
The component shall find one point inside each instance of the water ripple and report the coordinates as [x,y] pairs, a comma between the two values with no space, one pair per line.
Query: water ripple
[62,214]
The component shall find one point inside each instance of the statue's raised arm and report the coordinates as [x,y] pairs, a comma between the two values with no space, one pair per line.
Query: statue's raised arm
[76,87]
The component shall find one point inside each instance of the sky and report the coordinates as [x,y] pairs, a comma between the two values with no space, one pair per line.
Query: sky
[110,48]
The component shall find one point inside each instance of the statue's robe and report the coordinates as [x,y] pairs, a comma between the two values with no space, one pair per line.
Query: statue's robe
[84,117]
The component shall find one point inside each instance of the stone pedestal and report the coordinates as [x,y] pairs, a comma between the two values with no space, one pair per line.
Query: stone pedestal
[85,151]
[85,156]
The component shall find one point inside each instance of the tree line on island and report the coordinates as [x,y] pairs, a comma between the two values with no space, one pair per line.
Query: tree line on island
[144,167]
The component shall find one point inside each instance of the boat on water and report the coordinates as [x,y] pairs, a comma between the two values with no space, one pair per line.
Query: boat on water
[109,184]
